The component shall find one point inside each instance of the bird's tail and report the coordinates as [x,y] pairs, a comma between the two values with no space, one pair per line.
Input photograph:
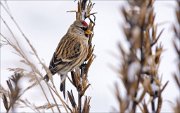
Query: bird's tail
[62,84]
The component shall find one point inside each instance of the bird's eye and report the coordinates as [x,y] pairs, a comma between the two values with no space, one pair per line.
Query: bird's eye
[84,28]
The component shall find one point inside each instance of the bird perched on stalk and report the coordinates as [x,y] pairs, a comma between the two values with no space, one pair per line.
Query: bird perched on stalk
[71,51]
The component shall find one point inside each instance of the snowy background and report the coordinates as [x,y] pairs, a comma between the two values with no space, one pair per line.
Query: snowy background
[45,22]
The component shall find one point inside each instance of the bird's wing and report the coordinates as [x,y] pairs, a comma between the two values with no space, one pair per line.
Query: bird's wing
[67,51]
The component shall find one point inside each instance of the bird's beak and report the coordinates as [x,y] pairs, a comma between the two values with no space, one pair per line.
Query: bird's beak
[88,32]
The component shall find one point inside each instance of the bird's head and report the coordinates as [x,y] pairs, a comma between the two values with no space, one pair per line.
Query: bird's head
[81,27]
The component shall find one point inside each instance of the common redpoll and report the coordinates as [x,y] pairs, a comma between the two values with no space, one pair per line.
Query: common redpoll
[71,51]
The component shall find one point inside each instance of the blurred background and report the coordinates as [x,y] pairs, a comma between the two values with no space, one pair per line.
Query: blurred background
[45,22]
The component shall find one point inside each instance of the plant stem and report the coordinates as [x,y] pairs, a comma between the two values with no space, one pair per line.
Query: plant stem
[153,106]
[79,102]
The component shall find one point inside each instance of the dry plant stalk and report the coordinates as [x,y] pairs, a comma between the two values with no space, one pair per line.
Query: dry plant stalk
[34,74]
[13,94]
[139,68]
[176,41]
[79,79]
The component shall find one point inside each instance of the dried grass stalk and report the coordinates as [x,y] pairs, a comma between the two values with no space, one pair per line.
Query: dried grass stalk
[176,43]
[10,100]
[139,69]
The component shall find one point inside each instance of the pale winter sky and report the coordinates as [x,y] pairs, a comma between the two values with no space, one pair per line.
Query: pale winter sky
[45,22]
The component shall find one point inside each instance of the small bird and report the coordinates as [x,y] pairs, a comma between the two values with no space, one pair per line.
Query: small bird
[71,51]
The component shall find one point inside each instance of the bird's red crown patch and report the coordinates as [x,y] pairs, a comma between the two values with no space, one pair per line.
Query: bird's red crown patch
[84,23]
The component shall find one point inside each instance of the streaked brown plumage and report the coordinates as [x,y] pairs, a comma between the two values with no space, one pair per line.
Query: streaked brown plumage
[70,53]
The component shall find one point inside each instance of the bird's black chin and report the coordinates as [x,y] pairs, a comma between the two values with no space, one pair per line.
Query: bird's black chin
[86,35]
